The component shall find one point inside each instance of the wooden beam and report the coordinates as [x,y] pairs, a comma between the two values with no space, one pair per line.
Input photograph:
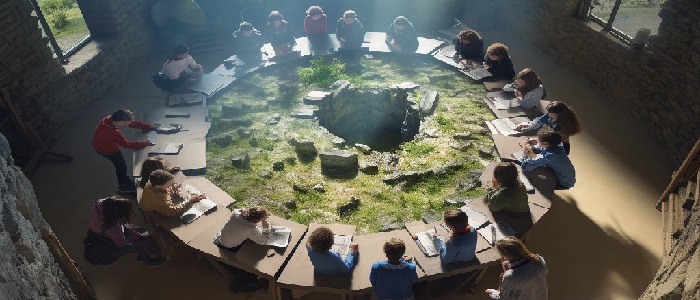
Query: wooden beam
[80,287]
[689,166]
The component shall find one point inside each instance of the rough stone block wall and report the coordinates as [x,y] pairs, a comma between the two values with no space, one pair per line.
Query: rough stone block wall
[658,87]
[29,69]
[28,269]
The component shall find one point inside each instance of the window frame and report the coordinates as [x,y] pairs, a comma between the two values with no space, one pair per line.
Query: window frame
[608,25]
[62,56]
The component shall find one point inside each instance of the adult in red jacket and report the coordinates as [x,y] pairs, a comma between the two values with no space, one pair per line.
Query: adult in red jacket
[108,138]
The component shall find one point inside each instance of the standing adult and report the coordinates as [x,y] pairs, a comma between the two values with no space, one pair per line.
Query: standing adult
[524,274]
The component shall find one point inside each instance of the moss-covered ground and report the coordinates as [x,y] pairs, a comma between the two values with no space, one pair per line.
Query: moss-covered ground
[459,110]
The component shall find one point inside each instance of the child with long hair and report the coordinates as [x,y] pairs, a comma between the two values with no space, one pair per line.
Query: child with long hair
[528,87]
[460,246]
[524,273]
[111,218]
[401,36]
[560,118]
[507,193]
[469,46]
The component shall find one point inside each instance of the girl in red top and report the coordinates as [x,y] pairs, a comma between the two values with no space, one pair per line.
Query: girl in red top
[316,22]
[108,138]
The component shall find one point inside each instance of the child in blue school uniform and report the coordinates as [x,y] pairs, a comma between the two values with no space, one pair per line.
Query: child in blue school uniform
[460,246]
[323,259]
[393,278]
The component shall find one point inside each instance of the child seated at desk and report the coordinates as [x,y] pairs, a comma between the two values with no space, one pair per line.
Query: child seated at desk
[178,67]
[559,117]
[528,87]
[158,193]
[394,277]
[316,22]
[151,164]
[349,31]
[524,273]
[469,46]
[552,156]
[247,42]
[279,34]
[460,246]
[507,193]
[323,259]
[401,36]
[244,224]
[498,63]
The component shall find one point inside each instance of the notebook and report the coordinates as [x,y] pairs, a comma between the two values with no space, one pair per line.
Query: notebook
[478,73]
[197,209]
[341,244]
[427,243]
[505,126]
[170,148]
[496,232]
[476,219]
[277,236]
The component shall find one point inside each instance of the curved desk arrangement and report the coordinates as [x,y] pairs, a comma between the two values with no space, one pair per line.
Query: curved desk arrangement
[289,268]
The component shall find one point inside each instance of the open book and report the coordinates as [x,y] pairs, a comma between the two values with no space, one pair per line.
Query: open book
[170,148]
[341,244]
[496,232]
[153,137]
[198,208]
[427,243]
[505,126]
[277,236]
[478,73]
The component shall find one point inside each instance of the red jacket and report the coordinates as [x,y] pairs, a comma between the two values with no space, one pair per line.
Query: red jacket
[107,137]
[319,26]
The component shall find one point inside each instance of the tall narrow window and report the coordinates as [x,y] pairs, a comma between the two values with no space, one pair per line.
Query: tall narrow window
[62,22]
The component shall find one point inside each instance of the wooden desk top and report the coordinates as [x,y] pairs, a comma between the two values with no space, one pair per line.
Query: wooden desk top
[193,155]
[188,232]
[433,266]
[299,272]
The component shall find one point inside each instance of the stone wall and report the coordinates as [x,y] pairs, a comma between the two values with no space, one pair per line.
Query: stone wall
[658,87]
[679,274]
[124,38]
[27,266]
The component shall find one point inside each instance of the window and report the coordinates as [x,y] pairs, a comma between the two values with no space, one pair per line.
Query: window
[62,22]
[624,18]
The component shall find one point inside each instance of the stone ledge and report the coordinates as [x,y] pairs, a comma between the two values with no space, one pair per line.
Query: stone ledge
[91,50]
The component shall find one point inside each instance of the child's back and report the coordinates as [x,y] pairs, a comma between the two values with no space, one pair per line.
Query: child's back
[393,281]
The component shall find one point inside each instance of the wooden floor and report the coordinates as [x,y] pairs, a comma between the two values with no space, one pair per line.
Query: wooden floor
[604,242]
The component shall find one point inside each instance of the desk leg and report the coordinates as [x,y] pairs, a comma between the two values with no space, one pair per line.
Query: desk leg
[284,294]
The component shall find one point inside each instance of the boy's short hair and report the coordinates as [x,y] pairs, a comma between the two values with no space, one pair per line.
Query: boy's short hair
[349,14]
[245,26]
[497,49]
[121,115]
[160,177]
[469,35]
[321,239]
[550,136]
[401,20]
[457,219]
[254,214]
[394,248]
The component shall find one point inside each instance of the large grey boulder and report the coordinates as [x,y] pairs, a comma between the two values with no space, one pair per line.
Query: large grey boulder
[339,163]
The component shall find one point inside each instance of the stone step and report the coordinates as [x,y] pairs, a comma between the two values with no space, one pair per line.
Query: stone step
[315,97]
[304,113]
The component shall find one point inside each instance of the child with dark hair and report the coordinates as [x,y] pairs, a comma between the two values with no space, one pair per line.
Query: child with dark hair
[559,117]
[349,31]
[528,87]
[279,33]
[247,42]
[158,194]
[401,36]
[323,259]
[498,63]
[507,193]
[552,156]
[111,218]
[151,164]
[394,277]
[460,246]
[244,224]
[316,22]
[107,139]
[180,63]
[524,273]
[469,46]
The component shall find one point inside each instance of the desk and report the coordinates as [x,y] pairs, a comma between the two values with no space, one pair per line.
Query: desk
[433,266]
[299,272]
[188,232]
[192,159]
[376,42]
[250,257]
